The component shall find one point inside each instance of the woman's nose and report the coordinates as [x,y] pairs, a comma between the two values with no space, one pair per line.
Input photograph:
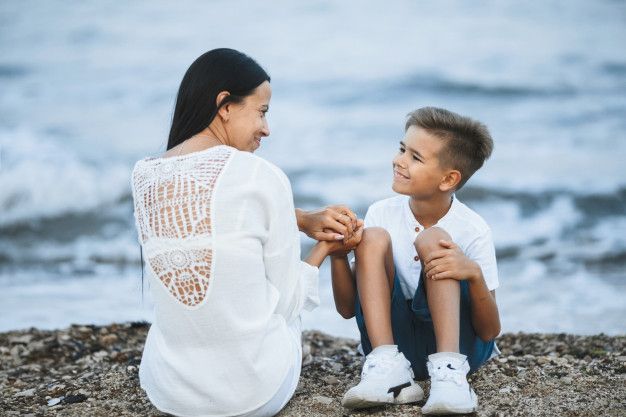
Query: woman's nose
[265,130]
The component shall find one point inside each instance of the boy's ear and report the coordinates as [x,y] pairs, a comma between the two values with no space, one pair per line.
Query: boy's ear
[224,111]
[450,180]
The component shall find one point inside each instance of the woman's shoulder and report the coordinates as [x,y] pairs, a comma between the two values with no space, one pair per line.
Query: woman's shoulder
[264,170]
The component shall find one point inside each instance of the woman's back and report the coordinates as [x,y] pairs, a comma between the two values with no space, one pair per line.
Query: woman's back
[222,248]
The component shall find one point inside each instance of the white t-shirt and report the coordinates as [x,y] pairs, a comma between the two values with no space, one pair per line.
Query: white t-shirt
[467,229]
[222,247]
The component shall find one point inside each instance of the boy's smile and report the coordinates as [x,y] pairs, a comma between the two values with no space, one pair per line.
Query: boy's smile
[417,171]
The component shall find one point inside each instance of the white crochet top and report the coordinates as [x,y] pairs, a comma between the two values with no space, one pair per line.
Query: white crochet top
[222,249]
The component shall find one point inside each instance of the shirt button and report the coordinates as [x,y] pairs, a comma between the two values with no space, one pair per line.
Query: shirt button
[417,258]
[417,228]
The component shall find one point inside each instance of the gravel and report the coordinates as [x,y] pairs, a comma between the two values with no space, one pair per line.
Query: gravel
[93,371]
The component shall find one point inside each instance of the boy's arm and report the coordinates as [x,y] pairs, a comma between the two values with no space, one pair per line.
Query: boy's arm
[344,285]
[485,315]
[451,263]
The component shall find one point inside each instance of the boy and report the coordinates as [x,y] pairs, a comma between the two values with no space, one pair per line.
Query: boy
[425,273]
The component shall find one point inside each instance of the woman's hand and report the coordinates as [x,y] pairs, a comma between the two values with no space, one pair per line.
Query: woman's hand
[332,223]
[343,247]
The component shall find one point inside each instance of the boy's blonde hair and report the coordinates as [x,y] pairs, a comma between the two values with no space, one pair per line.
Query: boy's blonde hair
[467,142]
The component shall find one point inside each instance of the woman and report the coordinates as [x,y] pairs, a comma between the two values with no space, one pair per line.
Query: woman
[220,234]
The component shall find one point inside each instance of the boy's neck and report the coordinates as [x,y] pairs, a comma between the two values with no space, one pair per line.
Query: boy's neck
[429,212]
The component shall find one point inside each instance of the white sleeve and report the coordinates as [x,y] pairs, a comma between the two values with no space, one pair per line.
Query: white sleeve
[295,280]
[483,252]
[371,217]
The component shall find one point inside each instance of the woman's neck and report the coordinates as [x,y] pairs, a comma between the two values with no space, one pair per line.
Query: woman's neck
[214,134]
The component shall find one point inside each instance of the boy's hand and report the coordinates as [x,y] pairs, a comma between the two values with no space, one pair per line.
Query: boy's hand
[450,263]
[343,247]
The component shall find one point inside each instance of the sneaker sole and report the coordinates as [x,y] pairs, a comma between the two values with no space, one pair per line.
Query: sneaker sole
[408,395]
[448,410]
[442,409]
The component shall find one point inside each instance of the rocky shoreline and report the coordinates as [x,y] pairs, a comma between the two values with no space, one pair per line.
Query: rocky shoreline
[92,371]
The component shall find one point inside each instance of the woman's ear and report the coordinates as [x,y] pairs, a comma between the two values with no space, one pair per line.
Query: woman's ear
[224,111]
[450,180]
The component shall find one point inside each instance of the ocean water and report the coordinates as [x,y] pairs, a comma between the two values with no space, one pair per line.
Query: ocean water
[86,89]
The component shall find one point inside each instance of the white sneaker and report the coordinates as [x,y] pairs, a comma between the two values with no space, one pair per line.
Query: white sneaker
[387,378]
[450,393]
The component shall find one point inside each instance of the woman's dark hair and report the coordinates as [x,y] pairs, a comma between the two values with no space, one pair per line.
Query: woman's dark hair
[215,71]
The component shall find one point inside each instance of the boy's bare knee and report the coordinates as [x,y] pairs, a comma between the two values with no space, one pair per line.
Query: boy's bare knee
[428,240]
[374,239]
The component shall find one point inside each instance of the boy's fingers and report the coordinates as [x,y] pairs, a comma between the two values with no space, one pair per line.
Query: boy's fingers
[435,255]
[345,221]
[430,265]
[447,244]
[344,210]
[431,273]
[352,216]
[444,275]
[350,213]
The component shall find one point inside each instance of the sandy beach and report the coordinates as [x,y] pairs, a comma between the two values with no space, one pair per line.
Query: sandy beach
[93,371]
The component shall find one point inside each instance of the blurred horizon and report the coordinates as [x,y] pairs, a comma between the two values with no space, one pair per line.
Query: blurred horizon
[87,89]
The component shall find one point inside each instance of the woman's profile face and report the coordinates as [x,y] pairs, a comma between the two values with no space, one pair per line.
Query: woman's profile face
[247,123]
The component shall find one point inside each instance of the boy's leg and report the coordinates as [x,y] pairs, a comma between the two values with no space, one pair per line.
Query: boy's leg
[374,277]
[449,393]
[386,375]
[444,296]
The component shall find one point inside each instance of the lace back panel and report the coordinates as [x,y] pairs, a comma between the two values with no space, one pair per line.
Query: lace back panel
[172,210]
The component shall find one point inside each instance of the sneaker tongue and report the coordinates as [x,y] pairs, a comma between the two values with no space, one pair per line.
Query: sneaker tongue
[450,362]
[378,363]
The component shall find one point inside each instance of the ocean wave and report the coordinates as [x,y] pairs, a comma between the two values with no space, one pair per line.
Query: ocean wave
[614,68]
[85,254]
[343,92]
[12,71]
[40,178]
[590,203]
[438,84]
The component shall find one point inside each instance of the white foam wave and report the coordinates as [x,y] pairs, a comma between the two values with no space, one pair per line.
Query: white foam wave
[533,299]
[511,228]
[83,253]
[41,178]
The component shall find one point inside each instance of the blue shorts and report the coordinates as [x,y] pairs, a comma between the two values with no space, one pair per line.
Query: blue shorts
[414,334]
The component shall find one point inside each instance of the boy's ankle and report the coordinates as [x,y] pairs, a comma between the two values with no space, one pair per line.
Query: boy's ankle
[447,354]
[381,349]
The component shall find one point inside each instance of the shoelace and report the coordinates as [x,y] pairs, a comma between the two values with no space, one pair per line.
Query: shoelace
[446,375]
[377,365]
